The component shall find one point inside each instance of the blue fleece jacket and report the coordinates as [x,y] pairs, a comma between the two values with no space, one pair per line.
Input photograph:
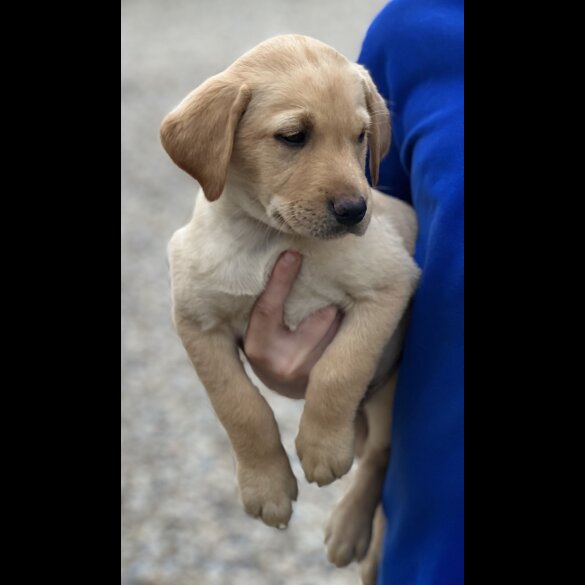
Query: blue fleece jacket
[414,52]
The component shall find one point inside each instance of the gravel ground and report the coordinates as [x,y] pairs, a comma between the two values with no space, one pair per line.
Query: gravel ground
[182,522]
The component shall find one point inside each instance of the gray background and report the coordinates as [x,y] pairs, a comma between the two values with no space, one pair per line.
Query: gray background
[182,522]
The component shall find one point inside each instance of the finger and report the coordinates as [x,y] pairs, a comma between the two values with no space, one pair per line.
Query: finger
[314,328]
[269,308]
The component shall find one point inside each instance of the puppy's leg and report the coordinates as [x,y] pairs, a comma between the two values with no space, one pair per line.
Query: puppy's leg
[369,566]
[350,527]
[338,382]
[267,483]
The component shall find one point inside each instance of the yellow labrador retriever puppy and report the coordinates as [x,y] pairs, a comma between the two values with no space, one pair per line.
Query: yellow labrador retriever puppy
[278,144]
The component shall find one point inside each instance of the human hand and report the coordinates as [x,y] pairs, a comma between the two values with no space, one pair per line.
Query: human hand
[281,358]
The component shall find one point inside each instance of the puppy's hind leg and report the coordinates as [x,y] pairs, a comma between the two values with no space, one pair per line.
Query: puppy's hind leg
[368,568]
[349,531]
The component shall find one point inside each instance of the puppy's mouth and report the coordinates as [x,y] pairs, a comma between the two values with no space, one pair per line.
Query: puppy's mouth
[313,226]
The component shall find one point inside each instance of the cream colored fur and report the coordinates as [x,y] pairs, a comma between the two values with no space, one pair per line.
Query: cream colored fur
[260,197]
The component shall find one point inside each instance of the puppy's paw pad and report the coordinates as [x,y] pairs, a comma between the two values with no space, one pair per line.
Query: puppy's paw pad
[325,458]
[267,492]
[340,556]
[277,513]
[348,533]
[274,509]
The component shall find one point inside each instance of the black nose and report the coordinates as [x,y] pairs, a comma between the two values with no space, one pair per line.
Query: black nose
[349,210]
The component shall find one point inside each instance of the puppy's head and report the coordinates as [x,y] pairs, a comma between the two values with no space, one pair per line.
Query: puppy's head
[289,124]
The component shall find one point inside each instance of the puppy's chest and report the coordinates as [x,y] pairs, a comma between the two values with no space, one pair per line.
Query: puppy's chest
[237,282]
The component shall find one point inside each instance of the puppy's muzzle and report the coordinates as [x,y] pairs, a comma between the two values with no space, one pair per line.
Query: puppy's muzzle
[348,210]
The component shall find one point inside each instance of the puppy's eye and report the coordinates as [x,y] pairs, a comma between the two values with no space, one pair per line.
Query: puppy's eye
[362,136]
[297,139]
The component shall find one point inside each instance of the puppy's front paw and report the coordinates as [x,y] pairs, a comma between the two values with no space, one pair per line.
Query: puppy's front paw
[348,532]
[326,454]
[267,489]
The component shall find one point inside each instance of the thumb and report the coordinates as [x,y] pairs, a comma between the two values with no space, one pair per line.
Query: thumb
[267,315]
[314,328]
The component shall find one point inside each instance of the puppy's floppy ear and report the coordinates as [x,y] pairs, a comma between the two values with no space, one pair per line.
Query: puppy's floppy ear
[199,133]
[379,131]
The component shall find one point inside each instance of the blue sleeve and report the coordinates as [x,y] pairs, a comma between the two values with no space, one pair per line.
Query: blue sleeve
[414,51]
[393,177]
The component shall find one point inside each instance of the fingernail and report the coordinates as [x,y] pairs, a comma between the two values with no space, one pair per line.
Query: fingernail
[290,258]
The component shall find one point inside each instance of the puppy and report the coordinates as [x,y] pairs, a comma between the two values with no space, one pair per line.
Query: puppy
[278,145]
